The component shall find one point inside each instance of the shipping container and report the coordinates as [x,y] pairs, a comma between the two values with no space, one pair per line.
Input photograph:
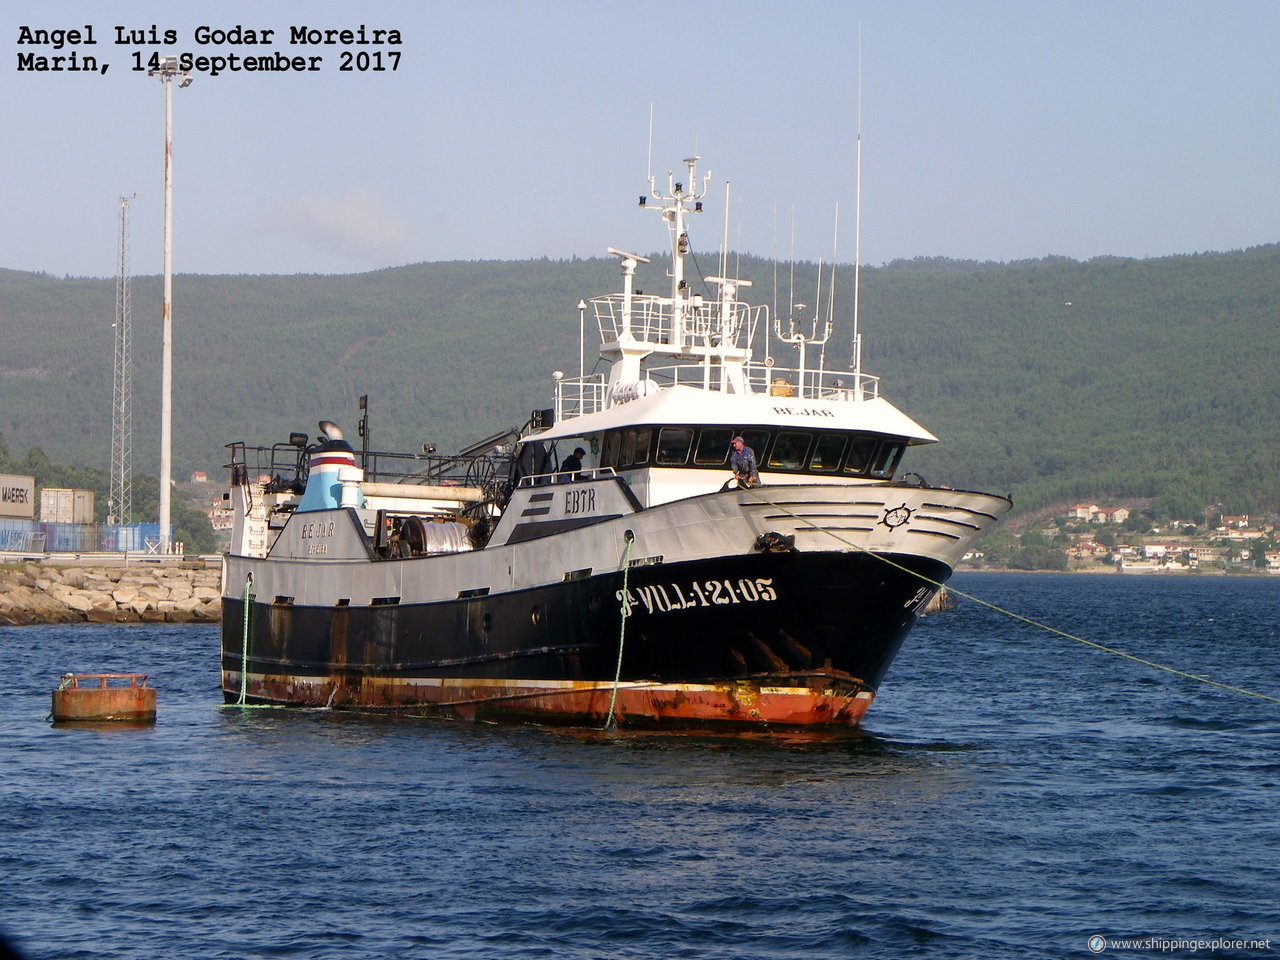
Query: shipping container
[17,497]
[61,505]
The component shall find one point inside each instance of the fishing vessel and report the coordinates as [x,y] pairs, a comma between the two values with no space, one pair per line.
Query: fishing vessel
[601,565]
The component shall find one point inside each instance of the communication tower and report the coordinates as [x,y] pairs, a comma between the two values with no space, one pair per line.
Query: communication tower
[120,506]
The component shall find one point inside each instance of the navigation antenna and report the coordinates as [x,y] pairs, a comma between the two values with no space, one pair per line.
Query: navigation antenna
[857,236]
[120,502]
[677,203]
[820,332]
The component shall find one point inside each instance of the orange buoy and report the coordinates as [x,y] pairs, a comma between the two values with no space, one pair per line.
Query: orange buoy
[92,696]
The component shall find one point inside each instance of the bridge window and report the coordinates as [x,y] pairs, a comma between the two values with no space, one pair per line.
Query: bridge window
[644,439]
[792,451]
[634,447]
[860,453]
[887,458]
[713,446]
[673,446]
[609,453]
[757,440]
[827,453]
[789,451]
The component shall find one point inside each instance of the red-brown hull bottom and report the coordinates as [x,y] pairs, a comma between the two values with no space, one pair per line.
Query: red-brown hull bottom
[812,701]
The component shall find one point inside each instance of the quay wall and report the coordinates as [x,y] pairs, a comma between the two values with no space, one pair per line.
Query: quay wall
[32,593]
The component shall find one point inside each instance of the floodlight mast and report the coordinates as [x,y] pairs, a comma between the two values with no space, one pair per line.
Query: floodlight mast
[168,71]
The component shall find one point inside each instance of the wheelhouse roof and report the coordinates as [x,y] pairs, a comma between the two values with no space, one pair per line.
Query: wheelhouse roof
[683,405]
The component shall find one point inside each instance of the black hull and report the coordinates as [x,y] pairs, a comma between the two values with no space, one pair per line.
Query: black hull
[828,623]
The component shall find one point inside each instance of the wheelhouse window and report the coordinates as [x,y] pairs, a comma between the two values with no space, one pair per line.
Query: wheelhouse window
[757,440]
[633,447]
[789,451]
[627,448]
[674,444]
[828,453]
[861,450]
[887,458]
[713,446]
[609,452]
[644,440]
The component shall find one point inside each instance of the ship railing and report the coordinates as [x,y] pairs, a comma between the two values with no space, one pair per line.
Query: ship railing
[567,476]
[283,467]
[577,396]
[837,385]
[810,384]
[278,465]
[474,470]
[652,320]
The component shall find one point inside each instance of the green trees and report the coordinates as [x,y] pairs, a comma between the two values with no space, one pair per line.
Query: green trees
[1055,380]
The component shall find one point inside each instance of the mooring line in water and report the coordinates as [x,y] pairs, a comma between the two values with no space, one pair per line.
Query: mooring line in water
[1017,616]
[622,633]
[247,602]
[241,704]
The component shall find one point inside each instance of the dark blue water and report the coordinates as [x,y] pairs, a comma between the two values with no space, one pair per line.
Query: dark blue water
[1013,793]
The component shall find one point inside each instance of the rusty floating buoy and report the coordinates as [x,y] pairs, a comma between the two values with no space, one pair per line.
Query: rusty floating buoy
[91,696]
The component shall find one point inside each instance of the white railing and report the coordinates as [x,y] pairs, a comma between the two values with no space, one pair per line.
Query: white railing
[567,476]
[577,396]
[837,385]
[652,320]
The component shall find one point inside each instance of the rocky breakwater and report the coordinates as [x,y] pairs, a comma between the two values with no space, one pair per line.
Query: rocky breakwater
[40,593]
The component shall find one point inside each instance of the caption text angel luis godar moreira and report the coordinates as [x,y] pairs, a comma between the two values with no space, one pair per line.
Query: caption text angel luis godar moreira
[359,49]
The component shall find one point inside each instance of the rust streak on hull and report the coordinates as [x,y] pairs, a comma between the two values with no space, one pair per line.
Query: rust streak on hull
[810,701]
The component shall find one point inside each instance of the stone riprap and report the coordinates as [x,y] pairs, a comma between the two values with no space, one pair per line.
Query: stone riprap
[144,593]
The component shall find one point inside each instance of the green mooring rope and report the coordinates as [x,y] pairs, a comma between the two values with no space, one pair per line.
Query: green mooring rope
[622,632]
[246,630]
[244,640]
[1020,617]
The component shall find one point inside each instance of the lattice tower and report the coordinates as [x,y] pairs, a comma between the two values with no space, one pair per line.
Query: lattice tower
[120,508]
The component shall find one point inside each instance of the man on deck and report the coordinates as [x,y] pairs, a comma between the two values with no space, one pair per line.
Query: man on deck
[742,461]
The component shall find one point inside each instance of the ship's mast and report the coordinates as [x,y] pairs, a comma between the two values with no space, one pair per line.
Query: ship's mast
[679,202]
[698,335]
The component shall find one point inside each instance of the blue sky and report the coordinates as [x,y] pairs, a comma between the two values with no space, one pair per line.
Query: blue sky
[991,130]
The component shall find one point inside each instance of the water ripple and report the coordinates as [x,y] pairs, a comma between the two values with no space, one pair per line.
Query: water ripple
[1011,795]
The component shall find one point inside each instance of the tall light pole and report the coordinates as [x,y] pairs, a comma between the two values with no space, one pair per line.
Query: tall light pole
[168,71]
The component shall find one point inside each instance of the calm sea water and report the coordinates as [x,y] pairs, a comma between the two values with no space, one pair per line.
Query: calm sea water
[1012,794]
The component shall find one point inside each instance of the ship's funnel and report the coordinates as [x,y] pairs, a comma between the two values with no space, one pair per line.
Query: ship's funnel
[326,461]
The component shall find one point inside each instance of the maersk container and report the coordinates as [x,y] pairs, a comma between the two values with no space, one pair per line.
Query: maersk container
[17,497]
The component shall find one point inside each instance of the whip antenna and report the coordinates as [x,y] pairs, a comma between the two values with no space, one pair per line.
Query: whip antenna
[857,233]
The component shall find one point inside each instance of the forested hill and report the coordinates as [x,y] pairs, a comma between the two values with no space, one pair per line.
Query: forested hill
[1052,379]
